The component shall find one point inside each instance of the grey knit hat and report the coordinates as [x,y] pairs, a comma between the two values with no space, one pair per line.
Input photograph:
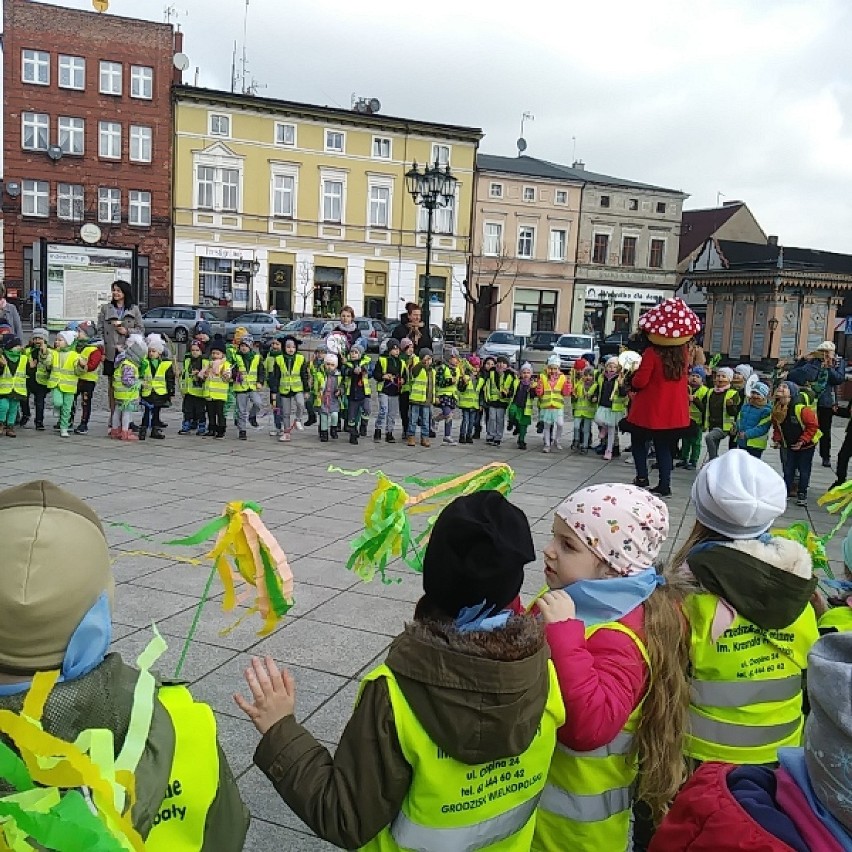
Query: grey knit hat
[41,333]
[828,730]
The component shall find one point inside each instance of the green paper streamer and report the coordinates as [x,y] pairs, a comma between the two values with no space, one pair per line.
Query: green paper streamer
[14,770]
[202,535]
[280,605]
[196,618]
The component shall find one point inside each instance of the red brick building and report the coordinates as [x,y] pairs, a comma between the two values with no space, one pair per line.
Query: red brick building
[87,146]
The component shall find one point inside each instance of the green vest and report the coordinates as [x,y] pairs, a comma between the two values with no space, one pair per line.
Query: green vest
[746,686]
[14,378]
[584,400]
[215,387]
[589,795]
[187,382]
[89,375]
[837,618]
[420,387]
[469,397]
[63,374]
[698,404]
[727,418]
[120,391]
[499,390]
[291,380]
[248,365]
[455,806]
[552,397]
[156,383]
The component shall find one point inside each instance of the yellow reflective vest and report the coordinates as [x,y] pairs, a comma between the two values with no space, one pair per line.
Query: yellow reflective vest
[120,391]
[455,806]
[746,686]
[194,778]
[187,381]
[64,371]
[588,799]
[215,386]
[469,395]
[797,411]
[156,383]
[552,396]
[408,364]
[88,375]
[13,380]
[698,404]
[423,387]
[584,400]
[249,366]
[499,389]
[732,397]
[838,618]
[291,380]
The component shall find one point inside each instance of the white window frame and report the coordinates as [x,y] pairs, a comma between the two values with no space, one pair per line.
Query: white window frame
[521,230]
[75,67]
[137,204]
[564,245]
[142,82]
[332,132]
[440,224]
[106,131]
[557,193]
[651,246]
[379,142]
[34,62]
[494,185]
[75,128]
[214,120]
[488,249]
[35,195]
[280,125]
[38,123]
[110,71]
[70,202]
[291,172]
[385,185]
[109,205]
[140,136]
[528,190]
[219,162]
[324,182]
[437,154]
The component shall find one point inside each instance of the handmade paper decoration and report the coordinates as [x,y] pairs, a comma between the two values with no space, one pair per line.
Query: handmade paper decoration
[814,544]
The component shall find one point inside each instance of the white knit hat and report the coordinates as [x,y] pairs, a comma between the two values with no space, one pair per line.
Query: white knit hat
[68,336]
[156,342]
[738,495]
[745,370]
[725,373]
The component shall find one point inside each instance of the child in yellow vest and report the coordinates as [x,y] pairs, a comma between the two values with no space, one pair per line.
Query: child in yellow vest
[612,406]
[835,614]
[552,389]
[127,386]
[91,349]
[158,386]
[617,641]
[13,383]
[64,371]
[584,403]
[217,380]
[39,357]
[421,764]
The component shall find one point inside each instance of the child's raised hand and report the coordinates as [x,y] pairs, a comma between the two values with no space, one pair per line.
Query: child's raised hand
[273,691]
[556,605]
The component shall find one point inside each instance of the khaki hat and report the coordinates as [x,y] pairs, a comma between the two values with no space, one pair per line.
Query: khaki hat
[826,346]
[55,566]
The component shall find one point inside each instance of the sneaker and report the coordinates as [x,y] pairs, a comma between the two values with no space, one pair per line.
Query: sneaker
[628,459]
[389,438]
[660,491]
[521,444]
[284,437]
[546,448]
[10,432]
[242,436]
[39,427]
[557,445]
[273,433]
[607,456]
[681,463]
[690,466]
[63,433]
[449,440]
[836,484]
[802,500]
[584,451]
[299,426]
[82,429]
[639,482]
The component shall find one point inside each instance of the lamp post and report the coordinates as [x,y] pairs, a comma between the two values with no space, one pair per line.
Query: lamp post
[773,325]
[433,187]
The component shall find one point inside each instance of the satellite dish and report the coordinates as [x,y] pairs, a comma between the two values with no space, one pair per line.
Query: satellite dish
[54,152]
[375,105]
[100,5]
[13,188]
[180,61]
[522,145]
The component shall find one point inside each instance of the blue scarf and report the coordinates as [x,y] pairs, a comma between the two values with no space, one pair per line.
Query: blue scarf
[603,601]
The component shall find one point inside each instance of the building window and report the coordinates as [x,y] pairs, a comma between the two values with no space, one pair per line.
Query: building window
[526,241]
[36,67]
[141,82]
[381,148]
[661,207]
[217,188]
[379,206]
[558,244]
[110,78]
[285,134]
[35,131]
[561,196]
[657,254]
[69,202]
[441,154]
[529,193]
[601,248]
[444,220]
[72,72]
[220,281]
[35,198]
[332,201]
[109,144]
[628,251]
[220,125]
[493,242]
[604,201]
[632,203]
[72,135]
[109,205]
[540,303]
[139,207]
[495,190]
[140,143]
[335,141]
[283,196]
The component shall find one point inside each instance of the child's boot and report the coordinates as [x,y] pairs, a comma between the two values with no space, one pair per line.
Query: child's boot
[186,427]
[323,433]
[202,429]
[410,441]
[377,434]
[334,432]
[157,435]
[353,436]
[242,435]
[142,434]
[362,430]
[312,419]
[389,438]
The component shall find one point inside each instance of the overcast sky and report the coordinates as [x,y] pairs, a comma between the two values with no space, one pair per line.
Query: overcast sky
[748,98]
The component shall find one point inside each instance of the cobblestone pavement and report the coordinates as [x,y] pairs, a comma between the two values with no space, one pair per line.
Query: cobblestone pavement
[340,627]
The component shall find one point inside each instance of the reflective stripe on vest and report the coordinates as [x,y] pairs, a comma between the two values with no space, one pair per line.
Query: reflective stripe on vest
[469,397]
[761,441]
[120,391]
[727,419]
[798,412]
[746,701]
[194,777]
[408,364]
[420,387]
[42,374]
[551,397]
[584,400]
[449,379]
[248,372]
[589,794]
[156,384]
[456,807]
[364,363]
[215,387]
[64,373]
[495,386]
[187,383]
[291,380]
[696,414]
[89,375]
[14,379]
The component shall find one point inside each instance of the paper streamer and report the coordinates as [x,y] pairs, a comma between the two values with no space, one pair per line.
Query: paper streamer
[837,501]
[814,544]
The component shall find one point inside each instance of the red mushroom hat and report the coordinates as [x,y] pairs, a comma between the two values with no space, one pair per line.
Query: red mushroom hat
[671,323]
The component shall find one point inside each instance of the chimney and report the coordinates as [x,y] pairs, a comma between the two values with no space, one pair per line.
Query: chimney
[579,165]
[731,203]
[772,240]
[177,73]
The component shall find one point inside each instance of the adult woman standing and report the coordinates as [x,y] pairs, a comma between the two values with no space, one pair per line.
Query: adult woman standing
[117,320]
[347,326]
[660,408]
[10,313]
[411,326]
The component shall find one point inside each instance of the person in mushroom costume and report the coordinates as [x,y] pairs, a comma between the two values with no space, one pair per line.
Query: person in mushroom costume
[660,408]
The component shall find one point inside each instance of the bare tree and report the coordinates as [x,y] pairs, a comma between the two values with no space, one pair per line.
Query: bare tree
[305,284]
[491,281]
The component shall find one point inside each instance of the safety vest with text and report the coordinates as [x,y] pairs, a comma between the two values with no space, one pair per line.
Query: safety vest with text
[746,693]
[89,375]
[248,367]
[63,373]
[156,383]
[552,396]
[13,380]
[291,380]
[587,803]
[455,806]
[120,391]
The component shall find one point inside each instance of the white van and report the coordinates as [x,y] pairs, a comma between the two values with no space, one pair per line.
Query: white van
[570,347]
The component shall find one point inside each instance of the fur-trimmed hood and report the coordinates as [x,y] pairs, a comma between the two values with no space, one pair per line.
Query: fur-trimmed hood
[480,696]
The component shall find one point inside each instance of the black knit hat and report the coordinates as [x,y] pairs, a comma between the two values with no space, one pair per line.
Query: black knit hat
[217,344]
[477,552]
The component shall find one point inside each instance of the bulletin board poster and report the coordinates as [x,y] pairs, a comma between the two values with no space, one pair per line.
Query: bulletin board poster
[80,279]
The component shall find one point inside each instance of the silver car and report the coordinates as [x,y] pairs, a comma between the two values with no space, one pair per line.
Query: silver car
[501,343]
[178,321]
[256,323]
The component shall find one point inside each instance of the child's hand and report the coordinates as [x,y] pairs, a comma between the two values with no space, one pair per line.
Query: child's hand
[273,691]
[819,603]
[556,606]
[796,446]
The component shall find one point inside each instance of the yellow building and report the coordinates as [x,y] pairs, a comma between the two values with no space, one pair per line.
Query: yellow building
[305,208]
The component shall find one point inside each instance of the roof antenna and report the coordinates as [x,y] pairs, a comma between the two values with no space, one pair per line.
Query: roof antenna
[522,143]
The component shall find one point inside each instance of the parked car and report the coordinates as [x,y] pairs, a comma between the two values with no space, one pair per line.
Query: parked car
[304,327]
[543,341]
[178,321]
[501,343]
[256,323]
[438,342]
[373,330]
[570,347]
[612,343]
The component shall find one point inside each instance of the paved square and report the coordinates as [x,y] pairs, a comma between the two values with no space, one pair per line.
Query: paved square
[149,493]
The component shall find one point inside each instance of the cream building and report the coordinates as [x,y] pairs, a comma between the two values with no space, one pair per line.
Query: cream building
[305,208]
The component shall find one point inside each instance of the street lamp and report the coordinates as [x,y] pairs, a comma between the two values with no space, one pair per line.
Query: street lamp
[773,325]
[431,188]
